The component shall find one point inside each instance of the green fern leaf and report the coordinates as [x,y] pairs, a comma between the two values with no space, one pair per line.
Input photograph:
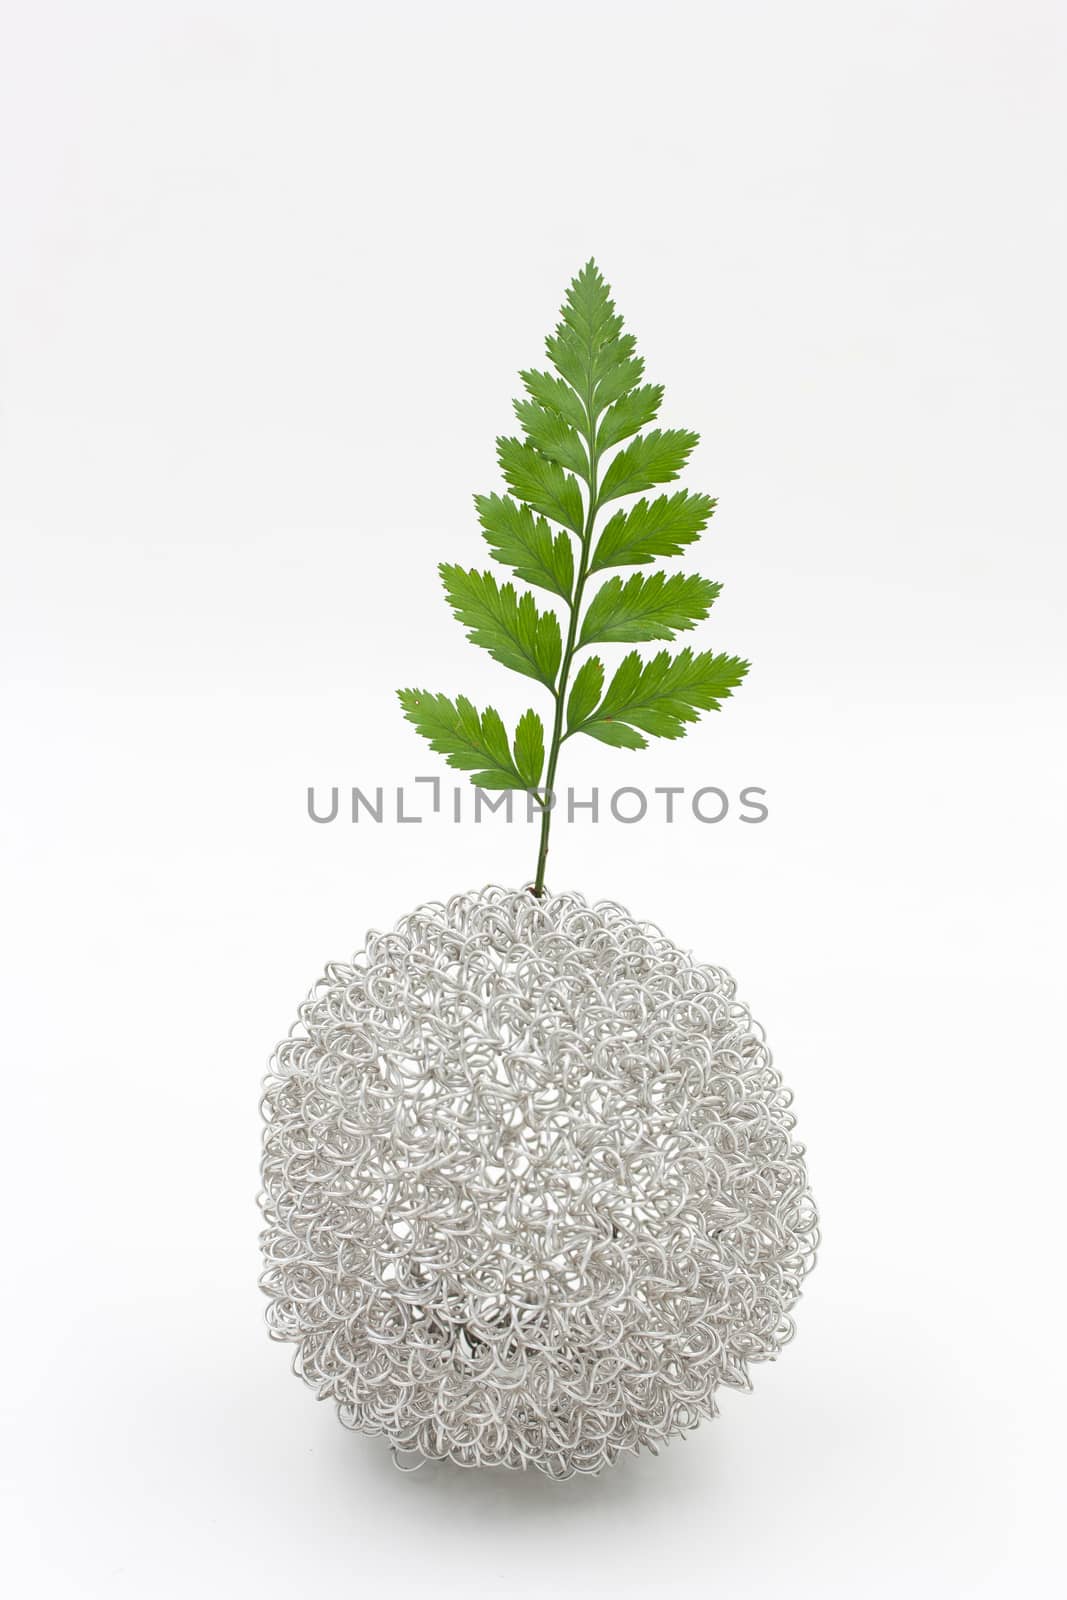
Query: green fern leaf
[610,357]
[649,459]
[661,696]
[633,411]
[652,528]
[571,360]
[556,439]
[647,608]
[476,744]
[586,692]
[541,483]
[557,396]
[529,749]
[587,440]
[619,381]
[526,544]
[589,311]
[588,347]
[508,625]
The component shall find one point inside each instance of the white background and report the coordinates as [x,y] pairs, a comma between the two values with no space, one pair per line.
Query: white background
[266,275]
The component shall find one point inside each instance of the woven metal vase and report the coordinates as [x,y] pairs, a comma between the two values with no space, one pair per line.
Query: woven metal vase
[530,1186]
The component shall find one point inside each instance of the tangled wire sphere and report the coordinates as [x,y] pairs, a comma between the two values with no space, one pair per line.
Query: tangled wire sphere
[530,1186]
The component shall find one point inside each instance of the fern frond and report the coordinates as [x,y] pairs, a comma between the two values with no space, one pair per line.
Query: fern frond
[660,696]
[587,440]
[526,544]
[543,484]
[506,624]
[478,743]
[651,528]
[651,458]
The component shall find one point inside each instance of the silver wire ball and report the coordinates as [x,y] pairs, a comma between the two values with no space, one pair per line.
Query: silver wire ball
[530,1186]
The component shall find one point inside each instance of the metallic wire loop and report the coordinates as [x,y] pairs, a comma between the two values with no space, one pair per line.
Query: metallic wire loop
[530,1186]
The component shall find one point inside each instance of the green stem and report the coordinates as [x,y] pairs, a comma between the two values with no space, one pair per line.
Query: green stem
[568,653]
